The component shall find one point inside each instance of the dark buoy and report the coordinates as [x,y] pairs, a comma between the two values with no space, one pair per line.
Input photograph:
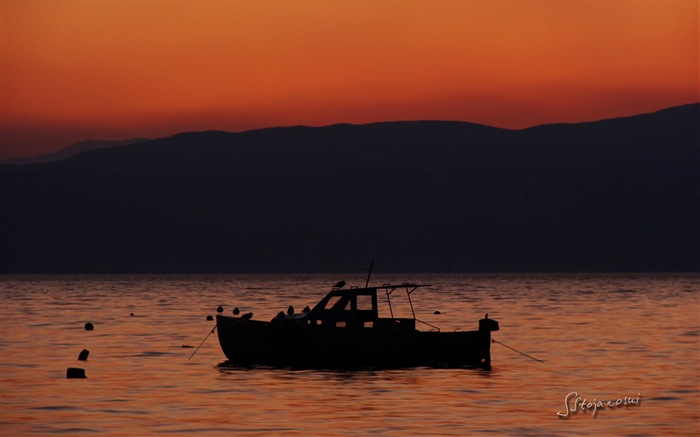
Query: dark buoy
[437,312]
[75,373]
[210,318]
[83,355]
[131,315]
[89,327]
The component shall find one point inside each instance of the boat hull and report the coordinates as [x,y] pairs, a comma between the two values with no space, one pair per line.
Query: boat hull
[250,342]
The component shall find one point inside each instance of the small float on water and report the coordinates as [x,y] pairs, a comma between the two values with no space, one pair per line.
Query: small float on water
[344,330]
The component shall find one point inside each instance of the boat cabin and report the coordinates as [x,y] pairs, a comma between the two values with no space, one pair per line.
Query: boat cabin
[353,309]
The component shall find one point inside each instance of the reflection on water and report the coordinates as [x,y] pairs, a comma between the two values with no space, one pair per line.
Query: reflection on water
[604,337]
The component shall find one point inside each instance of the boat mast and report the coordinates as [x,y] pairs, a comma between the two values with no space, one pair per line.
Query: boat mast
[369,272]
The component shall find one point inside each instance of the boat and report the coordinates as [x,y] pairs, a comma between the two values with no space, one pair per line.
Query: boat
[344,330]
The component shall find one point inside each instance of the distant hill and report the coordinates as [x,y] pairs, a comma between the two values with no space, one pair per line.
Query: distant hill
[612,195]
[75,149]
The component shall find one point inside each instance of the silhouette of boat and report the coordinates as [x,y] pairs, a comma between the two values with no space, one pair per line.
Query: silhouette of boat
[344,330]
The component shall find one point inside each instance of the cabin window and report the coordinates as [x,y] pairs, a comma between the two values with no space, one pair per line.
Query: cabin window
[340,324]
[332,301]
[337,303]
[364,302]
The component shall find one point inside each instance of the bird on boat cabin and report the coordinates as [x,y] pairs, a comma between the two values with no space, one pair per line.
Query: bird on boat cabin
[220,309]
[247,316]
[306,309]
[236,311]
[290,310]
[340,284]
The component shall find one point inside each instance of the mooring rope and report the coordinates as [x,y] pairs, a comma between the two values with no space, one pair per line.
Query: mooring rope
[515,350]
[200,344]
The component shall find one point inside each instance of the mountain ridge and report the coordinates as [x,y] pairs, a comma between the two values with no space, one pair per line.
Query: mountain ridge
[72,150]
[89,145]
[613,195]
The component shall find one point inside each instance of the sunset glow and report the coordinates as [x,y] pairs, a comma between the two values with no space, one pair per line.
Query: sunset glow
[112,69]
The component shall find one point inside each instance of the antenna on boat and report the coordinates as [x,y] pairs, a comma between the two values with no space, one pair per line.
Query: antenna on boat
[369,272]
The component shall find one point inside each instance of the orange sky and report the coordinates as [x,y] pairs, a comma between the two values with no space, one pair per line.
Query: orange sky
[116,69]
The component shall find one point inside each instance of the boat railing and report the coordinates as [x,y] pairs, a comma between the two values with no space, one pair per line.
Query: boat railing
[432,326]
[410,288]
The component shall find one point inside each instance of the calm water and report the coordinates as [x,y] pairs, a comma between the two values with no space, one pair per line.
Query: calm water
[602,336]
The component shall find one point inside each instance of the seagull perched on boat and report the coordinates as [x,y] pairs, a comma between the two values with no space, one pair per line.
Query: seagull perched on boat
[340,284]
[306,309]
[220,309]
[236,311]
[290,310]
[247,316]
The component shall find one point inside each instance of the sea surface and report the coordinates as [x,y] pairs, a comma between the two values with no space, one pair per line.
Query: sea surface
[627,343]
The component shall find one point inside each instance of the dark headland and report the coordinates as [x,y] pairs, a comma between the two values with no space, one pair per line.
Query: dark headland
[613,195]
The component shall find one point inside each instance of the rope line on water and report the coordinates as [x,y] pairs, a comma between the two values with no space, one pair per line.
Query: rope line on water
[515,350]
[200,344]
